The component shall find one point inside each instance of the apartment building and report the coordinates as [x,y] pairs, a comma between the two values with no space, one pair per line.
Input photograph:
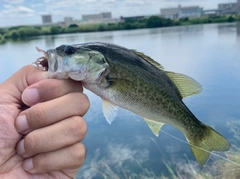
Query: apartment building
[47,19]
[228,8]
[97,17]
[181,12]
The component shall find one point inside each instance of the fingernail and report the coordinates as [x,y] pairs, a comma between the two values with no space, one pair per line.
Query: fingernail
[28,164]
[20,147]
[30,96]
[21,123]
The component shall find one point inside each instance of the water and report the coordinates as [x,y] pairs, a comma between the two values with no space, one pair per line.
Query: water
[127,148]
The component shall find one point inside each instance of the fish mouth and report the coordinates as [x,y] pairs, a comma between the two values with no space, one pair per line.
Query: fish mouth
[48,62]
[56,65]
[42,62]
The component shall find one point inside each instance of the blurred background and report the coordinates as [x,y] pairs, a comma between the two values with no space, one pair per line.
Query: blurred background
[198,38]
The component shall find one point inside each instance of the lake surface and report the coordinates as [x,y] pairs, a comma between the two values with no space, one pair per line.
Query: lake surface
[127,148]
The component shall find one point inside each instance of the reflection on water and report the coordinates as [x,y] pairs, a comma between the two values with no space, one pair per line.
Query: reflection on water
[238,30]
[183,30]
[107,37]
[56,40]
[225,29]
[127,148]
[49,41]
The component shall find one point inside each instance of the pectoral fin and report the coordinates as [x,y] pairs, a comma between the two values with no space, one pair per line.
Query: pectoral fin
[154,126]
[109,111]
[186,85]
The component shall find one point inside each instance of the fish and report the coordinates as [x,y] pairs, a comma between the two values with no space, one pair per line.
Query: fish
[131,80]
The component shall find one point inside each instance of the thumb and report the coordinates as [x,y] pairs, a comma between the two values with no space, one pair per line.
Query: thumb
[23,78]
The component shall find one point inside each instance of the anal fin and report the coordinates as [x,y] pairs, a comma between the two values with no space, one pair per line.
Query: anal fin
[154,126]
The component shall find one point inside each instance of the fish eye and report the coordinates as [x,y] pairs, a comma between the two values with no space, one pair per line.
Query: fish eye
[69,50]
[102,61]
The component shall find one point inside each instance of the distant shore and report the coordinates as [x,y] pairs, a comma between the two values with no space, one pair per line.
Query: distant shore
[24,32]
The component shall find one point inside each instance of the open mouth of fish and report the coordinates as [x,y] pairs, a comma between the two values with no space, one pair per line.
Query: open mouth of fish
[45,62]
[42,62]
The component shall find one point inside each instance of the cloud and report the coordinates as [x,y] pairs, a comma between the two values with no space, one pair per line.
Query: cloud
[36,5]
[7,6]
[14,1]
[119,154]
[16,11]
[75,9]
[24,10]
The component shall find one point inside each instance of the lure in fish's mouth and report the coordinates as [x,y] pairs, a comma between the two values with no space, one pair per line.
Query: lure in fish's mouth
[42,62]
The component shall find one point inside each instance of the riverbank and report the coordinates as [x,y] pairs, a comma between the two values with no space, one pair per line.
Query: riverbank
[23,32]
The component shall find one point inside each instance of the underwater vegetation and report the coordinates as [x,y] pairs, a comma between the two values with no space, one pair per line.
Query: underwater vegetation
[124,163]
[219,168]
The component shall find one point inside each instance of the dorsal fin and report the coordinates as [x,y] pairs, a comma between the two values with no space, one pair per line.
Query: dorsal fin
[149,59]
[186,85]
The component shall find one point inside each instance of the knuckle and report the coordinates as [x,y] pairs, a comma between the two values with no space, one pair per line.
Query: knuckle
[31,144]
[77,153]
[28,68]
[41,163]
[39,118]
[80,103]
[78,127]
[85,101]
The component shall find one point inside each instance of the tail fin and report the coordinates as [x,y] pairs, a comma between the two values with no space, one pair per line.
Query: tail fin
[211,141]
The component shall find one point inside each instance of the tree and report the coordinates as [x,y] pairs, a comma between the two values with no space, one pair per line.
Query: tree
[13,34]
[28,32]
[101,27]
[185,19]
[128,25]
[73,26]
[154,21]
[2,31]
[231,19]
[55,30]
[2,39]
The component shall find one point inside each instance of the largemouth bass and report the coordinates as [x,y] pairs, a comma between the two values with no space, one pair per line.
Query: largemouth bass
[132,80]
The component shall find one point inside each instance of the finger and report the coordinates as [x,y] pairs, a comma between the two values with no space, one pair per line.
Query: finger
[49,89]
[25,77]
[54,137]
[46,113]
[68,159]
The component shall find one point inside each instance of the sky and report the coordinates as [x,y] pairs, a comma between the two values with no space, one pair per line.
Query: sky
[28,12]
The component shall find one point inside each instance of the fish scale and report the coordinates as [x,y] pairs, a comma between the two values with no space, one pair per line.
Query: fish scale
[132,80]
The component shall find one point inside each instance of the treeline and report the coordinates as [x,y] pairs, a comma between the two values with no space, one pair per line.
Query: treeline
[23,32]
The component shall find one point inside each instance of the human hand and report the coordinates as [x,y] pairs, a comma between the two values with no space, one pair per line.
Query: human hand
[46,142]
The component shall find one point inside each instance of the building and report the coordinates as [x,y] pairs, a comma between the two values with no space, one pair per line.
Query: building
[68,20]
[47,19]
[228,8]
[211,13]
[192,11]
[97,17]
[238,6]
[224,9]
[171,13]
[181,12]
